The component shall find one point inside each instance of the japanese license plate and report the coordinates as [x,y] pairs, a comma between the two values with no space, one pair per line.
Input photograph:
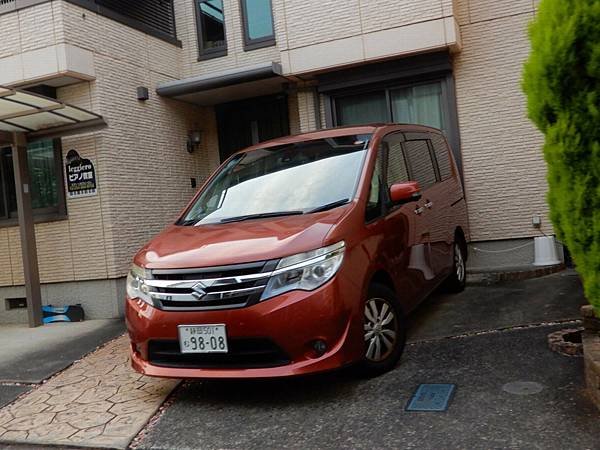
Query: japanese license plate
[203,339]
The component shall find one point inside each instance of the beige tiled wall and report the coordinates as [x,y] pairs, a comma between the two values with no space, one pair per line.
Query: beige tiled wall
[501,149]
[142,165]
[236,56]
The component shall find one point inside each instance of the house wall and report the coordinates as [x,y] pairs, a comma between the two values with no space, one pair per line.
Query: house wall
[503,163]
[143,167]
[142,164]
[320,35]
[185,16]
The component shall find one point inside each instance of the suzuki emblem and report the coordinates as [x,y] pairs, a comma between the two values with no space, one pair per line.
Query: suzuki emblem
[199,292]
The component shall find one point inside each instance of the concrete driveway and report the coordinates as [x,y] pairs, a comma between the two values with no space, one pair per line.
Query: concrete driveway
[488,341]
[483,340]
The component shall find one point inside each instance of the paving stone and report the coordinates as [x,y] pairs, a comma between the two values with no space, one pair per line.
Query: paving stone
[14,436]
[54,430]
[90,420]
[129,407]
[35,398]
[5,417]
[98,402]
[28,410]
[81,419]
[126,396]
[121,425]
[87,434]
[30,422]
[64,398]
[97,394]
[70,380]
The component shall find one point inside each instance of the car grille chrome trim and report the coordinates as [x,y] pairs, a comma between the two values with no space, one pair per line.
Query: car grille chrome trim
[209,282]
[224,287]
[209,296]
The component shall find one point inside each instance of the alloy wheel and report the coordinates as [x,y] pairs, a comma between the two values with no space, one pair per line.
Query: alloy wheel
[381,329]
[459,263]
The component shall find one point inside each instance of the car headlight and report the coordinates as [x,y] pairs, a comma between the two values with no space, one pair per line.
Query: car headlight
[305,271]
[136,286]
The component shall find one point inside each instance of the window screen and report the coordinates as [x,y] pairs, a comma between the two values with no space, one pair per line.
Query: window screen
[442,155]
[422,170]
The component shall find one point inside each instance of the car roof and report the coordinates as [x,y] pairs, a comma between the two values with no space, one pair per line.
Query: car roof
[371,128]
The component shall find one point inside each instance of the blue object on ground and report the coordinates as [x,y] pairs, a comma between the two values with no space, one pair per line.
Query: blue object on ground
[71,313]
[431,397]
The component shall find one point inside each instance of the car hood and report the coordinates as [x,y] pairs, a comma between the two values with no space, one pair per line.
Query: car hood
[238,242]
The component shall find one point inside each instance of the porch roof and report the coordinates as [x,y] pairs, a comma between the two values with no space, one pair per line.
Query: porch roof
[226,86]
[26,117]
[38,117]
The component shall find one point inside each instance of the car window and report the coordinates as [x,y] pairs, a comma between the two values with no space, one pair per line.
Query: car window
[374,203]
[295,177]
[442,155]
[421,165]
[397,168]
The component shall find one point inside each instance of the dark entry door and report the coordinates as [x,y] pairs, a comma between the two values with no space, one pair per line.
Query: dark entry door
[251,121]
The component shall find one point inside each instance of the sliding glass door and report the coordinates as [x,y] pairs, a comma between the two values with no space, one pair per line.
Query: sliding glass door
[417,104]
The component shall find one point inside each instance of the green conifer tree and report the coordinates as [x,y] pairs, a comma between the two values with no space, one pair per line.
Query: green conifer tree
[562,84]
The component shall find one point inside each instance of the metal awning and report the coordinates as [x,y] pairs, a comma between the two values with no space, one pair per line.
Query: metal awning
[225,86]
[26,117]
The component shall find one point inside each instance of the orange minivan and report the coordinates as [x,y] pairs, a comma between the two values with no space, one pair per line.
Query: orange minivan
[301,255]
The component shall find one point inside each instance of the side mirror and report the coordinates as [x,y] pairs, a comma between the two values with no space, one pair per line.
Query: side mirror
[405,192]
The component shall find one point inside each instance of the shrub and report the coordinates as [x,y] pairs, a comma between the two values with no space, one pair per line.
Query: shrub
[562,83]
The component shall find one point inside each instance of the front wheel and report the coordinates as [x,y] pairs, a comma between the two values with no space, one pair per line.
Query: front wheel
[457,280]
[384,331]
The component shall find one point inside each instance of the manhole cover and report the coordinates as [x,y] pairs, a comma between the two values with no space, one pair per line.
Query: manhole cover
[431,397]
[523,388]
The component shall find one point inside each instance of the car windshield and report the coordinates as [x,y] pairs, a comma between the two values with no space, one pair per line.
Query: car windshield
[290,179]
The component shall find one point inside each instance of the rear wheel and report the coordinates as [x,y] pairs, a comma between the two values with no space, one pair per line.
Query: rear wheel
[457,280]
[384,331]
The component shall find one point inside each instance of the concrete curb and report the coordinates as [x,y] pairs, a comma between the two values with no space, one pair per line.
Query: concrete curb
[476,277]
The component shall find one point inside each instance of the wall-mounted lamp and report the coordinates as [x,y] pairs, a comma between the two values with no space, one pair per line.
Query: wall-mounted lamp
[194,140]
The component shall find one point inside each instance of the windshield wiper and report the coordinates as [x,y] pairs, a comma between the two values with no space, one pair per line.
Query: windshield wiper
[262,216]
[329,206]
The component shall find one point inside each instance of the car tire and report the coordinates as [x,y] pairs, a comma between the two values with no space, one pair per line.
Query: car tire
[383,322]
[457,280]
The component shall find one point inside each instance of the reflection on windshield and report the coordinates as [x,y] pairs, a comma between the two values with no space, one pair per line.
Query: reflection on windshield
[297,177]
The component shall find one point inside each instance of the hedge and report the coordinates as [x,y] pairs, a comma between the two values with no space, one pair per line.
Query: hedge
[562,84]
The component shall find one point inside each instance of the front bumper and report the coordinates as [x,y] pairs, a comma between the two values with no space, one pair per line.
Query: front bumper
[292,321]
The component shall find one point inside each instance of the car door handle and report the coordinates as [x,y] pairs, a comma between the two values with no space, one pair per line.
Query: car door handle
[419,211]
[429,205]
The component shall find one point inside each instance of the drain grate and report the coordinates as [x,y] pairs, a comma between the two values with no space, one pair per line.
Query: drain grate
[431,397]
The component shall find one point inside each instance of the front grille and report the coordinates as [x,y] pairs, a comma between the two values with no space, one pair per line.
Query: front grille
[212,288]
[245,353]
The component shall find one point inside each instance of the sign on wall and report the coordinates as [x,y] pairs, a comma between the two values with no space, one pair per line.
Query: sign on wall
[81,176]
